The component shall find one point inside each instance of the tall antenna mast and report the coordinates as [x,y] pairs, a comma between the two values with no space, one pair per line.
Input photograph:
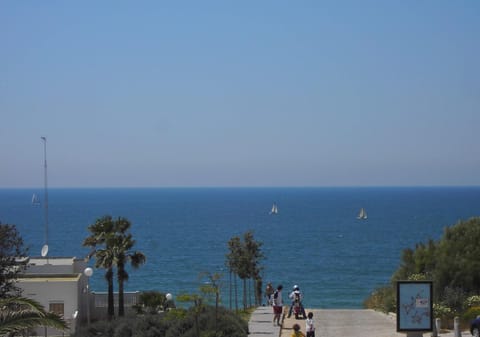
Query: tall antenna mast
[45,247]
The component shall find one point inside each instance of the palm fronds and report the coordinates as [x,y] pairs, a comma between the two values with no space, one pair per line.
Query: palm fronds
[20,313]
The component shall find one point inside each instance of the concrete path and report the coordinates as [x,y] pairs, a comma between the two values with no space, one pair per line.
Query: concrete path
[261,323]
[332,323]
[336,323]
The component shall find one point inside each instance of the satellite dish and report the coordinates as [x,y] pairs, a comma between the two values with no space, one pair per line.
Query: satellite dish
[88,271]
[44,250]
[75,314]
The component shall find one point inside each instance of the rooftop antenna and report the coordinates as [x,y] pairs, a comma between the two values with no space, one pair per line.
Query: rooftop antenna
[45,246]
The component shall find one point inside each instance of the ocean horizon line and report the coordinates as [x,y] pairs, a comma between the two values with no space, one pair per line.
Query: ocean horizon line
[237,187]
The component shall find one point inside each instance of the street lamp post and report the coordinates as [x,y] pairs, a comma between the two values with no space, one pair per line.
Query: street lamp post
[88,273]
[169,298]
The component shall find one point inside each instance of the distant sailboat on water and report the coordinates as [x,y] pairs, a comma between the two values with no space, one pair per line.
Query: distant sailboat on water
[362,215]
[35,200]
[274,209]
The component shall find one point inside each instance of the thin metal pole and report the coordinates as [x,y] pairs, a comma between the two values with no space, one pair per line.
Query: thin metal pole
[88,301]
[46,187]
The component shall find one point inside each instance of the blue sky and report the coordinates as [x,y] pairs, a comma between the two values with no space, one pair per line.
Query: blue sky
[245,93]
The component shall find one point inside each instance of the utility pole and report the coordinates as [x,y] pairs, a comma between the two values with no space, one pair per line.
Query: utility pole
[46,189]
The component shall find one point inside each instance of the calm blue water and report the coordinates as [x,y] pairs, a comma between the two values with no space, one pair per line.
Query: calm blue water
[315,241]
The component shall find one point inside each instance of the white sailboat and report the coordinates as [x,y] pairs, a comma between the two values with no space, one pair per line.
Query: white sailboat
[274,209]
[35,200]
[362,215]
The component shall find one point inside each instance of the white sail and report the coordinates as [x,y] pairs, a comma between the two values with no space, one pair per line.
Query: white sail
[274,209]
[362,215]
[35,200]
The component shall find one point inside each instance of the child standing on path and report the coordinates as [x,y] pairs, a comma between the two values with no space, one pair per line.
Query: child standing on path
[296,331]
[309,327]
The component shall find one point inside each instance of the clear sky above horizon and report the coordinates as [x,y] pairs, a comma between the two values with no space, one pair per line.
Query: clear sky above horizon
[246,93]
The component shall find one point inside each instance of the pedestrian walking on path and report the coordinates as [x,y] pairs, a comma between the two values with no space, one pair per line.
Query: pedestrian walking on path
[277,303]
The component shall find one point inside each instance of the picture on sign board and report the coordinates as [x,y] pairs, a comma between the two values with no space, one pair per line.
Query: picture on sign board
[414,306]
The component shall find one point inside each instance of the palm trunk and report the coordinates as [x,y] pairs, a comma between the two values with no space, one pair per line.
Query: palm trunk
[111,308]
[230,289]
[236,293]
[244,294]
[121,309]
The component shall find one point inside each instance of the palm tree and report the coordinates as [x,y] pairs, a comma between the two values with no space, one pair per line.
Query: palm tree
[243,260]
[111,235]
[254,256]
[101,232]
[123,255]
[19,313]
[233,257]
[104,258]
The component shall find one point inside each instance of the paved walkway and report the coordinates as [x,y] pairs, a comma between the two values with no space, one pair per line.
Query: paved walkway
[261,323]
[332,323]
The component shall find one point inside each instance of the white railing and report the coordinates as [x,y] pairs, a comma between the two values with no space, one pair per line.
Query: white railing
[99,303]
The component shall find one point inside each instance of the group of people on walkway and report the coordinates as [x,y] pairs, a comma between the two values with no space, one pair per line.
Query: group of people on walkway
[274,298]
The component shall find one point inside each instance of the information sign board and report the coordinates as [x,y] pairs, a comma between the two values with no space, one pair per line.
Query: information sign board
[414,306]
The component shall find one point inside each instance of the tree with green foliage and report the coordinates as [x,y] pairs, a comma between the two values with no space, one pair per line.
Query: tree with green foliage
[244,259]
[198,307]
[100,232]
[13,257]
[123,255]
[233,258]
[451,263]
[112,246]
[151,302]
[458,264]
[19,314]
[255,256]
[212,287]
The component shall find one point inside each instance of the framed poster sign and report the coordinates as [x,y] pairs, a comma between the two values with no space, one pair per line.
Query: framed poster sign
[414,306]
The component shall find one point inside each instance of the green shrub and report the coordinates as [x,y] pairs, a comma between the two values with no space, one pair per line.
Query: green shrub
[124,328]
[453,298]
[174,323]
[383,299]
[442,311]
[150,326]
[472,301]
[470,314]
[418,277]
[445,313]
[98,328]
[151,302]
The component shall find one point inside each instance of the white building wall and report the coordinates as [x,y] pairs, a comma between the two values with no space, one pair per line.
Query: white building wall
[57,280]
[47,291]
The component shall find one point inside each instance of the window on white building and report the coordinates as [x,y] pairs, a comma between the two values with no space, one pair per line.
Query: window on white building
[57,308]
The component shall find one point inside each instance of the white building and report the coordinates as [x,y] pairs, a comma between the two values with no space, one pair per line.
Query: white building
[60,285]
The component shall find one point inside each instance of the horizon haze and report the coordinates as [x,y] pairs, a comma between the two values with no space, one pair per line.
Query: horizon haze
[240,94]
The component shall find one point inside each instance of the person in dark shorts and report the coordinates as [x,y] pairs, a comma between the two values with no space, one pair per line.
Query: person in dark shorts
[277,304]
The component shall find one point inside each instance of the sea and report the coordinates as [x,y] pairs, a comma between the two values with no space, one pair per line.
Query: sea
[315,240]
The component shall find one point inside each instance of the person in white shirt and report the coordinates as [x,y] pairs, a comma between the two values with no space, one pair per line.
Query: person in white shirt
[309,326]
[296,297]
[277,303]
